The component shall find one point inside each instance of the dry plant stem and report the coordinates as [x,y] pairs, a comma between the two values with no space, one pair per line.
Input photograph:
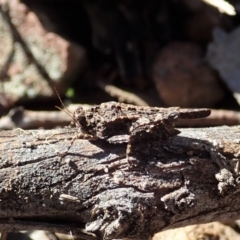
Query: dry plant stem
[193,179]
[26,119]
[121,95]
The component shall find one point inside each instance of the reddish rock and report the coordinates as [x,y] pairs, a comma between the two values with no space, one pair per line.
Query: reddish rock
[62,60]
[182,77]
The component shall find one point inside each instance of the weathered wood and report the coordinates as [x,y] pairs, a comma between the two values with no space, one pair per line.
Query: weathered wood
[193,179]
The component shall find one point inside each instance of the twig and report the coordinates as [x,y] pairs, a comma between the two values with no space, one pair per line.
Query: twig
[27,119]
[121,95]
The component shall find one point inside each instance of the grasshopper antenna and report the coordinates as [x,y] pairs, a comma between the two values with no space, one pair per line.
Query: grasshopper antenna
[80,134]
[64,109]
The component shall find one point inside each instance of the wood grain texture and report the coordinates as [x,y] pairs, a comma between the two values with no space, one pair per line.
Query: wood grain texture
[193,178]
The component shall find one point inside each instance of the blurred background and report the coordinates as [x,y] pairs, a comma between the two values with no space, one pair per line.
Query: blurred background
[148,53]
[154,53]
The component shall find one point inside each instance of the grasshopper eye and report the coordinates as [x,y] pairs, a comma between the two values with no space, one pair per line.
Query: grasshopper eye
[79,113]
[173,116]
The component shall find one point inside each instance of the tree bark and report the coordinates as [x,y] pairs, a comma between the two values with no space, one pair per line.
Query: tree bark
[92,191]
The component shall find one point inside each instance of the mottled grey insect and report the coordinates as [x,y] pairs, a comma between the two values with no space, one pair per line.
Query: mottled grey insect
[124,123]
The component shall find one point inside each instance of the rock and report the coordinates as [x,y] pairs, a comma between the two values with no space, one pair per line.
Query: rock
[60,59]
[182,77]
[211,231]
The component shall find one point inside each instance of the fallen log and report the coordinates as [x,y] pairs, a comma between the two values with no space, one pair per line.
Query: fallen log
[93,192]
